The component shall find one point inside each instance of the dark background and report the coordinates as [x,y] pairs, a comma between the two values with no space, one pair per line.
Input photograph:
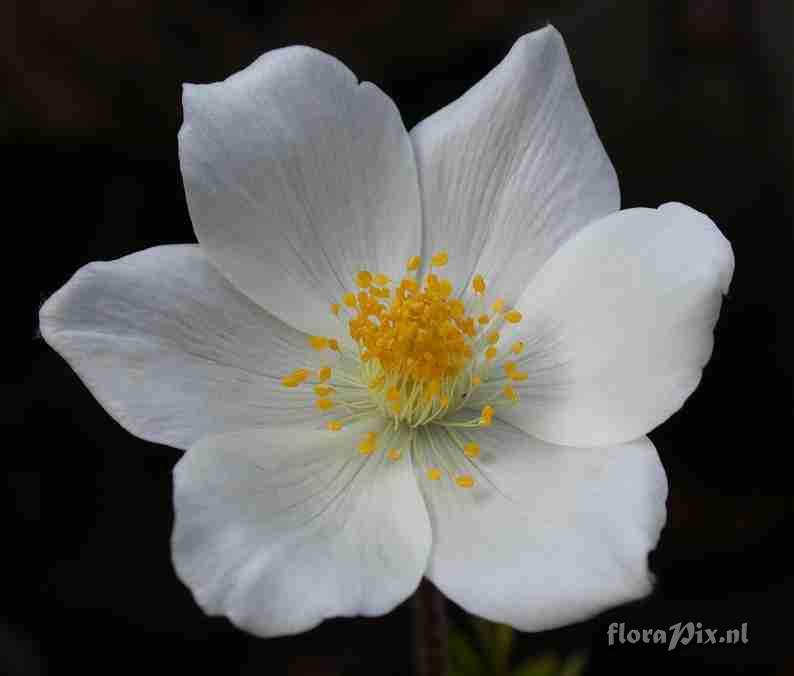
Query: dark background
[693,101]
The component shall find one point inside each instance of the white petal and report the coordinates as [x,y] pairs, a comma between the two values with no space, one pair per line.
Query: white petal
[279,530]
[172,350]
[619,324]
[513,168]
[548,535]
[296,178]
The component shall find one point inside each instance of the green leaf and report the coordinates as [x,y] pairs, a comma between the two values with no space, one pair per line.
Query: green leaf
[543,665]
[502,647]
[463,659]
[496,641]
[574,665]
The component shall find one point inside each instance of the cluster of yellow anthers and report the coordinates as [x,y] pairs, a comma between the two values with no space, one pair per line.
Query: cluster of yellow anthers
[421,351]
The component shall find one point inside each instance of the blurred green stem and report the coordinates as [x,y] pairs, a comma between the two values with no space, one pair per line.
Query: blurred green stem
[430,631]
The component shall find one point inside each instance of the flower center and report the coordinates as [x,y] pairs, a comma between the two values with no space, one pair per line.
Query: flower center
[420,351]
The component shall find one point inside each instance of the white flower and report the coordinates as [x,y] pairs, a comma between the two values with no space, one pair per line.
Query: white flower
[352,425]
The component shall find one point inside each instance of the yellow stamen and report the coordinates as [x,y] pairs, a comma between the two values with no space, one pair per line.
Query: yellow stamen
[486,416]
[394,454]
[510,393]
[471,450]
[456,308]
[363,279]
[517,347]
[440,259]
[432,389]
[367,445]
[334,425]
[318,342]
[509,368]
[295,378]
[465,480]
[419,352]
[518,376]
[409,284]
[434,474]
[514,316]
[498,305]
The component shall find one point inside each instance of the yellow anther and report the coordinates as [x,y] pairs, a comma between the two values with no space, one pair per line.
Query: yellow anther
[514,316]
[393,394]
[439,259]
[333,344]
[318,342]
[476,380]
[334,425]
[483,319]
[456,308]
[518,347]
[363,279]
[395,407]
[418,334]
[381,279]
[486,416]
[444,400]
[394,454]
[518,376]
[490,353]
[434,474]
[368,444]
[471,450]
[295,378]
[478,284]
[509,368]
[324,404]
[324,374]
[377,383]
[510,393]
[323,390]
[409,284]
[349,299]
[432,389]
[492,338]
[464,480]
[335,307]
[498,305]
